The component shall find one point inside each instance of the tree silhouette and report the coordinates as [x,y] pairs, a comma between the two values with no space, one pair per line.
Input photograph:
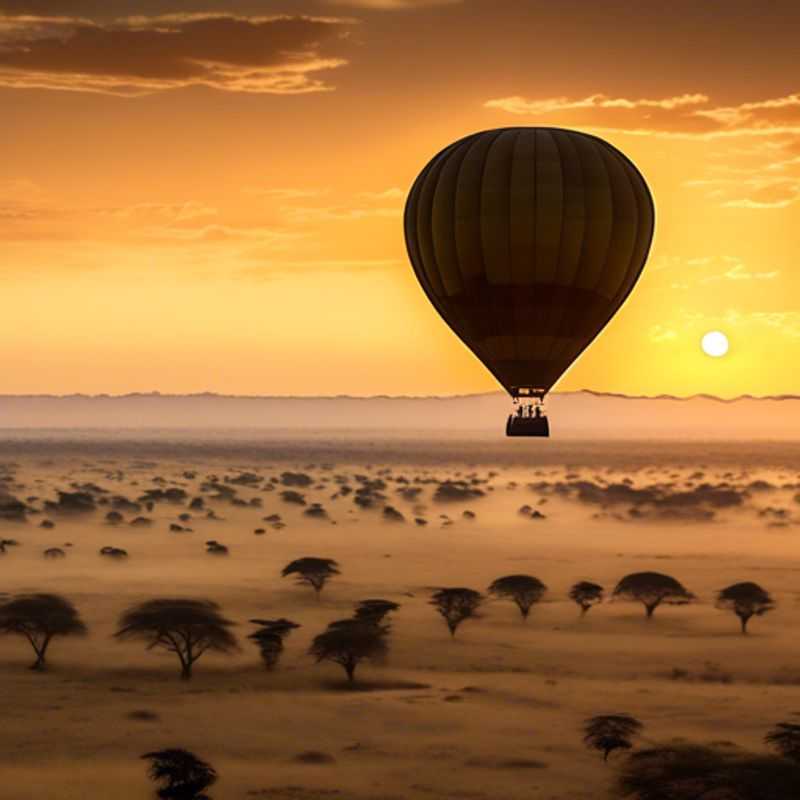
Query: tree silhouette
[40,618]
[374,611]
[184,775]
[693,772]
[312,571]
[269,638]
[185,627]
[746,600]
[610,732]
[652,589]
[348,642]
[586,594]
[113,552]
[785,738]
[524,590]
[456,605]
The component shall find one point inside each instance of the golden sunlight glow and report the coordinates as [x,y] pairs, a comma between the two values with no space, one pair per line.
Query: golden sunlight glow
[232,220]
[715,344]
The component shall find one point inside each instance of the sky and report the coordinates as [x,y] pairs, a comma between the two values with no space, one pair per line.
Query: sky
[208,196]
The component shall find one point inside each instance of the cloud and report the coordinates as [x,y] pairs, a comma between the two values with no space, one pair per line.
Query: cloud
[739,272]
[519,105]
[775,109]
[393,5]
[27,28]
[23,201]
[767,199]
[759,191]
[306,214]
[786,323]
[766,176]
[274,238]
[388,194]
[659,333]
[363,205]
[690,115]
[174,212]
[141,55]
[678,273]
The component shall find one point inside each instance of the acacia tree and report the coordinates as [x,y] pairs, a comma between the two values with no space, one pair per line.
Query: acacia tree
[348,642]
[312,571]
[182,626]
[586,594]
[609,732]
[40,618]
[269,638]
[375,611]
[652,589]
[694,772]
[746,600]
[455,605]
[183,775]
[524,590]
[785,738]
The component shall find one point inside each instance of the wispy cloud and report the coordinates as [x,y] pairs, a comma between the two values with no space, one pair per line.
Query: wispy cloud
[787,323]
[363,205]
[24,207]
[141,55]
[275,238]
[310,214]
[774,108]
[751,203]
[661,333]
[738,271]
[756,191]
[674,272]
[551,105]
[387,194]
[174,212]
[766,175]
[690,116]
[393,5]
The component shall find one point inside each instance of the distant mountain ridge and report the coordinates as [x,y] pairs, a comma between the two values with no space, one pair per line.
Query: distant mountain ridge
[592,392]
[582,414]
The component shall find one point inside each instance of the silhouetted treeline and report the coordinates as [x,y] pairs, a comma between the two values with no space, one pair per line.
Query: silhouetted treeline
[190,627]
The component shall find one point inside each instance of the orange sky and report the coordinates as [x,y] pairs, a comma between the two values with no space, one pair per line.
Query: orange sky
[208,195]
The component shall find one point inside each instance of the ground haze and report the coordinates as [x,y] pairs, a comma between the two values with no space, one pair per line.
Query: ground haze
[496,712]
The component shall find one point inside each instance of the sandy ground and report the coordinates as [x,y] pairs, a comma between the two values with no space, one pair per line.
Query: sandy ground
[493,714]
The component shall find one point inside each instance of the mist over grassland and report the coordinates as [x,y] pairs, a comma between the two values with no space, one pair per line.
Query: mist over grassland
[495,711]
[573,415]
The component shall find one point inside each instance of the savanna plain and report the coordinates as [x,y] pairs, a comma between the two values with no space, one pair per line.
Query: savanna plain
[492,713]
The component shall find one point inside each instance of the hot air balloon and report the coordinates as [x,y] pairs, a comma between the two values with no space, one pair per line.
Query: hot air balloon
[527,241]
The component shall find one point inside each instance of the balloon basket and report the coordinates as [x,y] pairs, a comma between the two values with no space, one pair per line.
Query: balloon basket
[527,426]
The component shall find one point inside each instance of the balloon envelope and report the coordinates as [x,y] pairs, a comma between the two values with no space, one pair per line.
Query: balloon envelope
[527,241]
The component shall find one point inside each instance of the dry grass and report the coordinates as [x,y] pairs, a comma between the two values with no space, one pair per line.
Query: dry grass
[494,713]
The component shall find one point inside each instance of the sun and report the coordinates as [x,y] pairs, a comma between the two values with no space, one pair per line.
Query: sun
[714,344]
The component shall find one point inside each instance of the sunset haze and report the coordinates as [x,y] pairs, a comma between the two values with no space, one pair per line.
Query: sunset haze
[209,196]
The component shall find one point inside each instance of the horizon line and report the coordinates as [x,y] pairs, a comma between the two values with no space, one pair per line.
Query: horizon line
[222,396]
